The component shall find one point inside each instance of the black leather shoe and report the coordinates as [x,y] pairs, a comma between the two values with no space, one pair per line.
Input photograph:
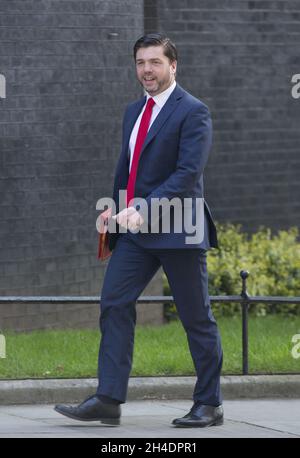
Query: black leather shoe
[92,409]
[201,416]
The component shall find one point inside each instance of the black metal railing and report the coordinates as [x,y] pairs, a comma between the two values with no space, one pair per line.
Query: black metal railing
[244,299]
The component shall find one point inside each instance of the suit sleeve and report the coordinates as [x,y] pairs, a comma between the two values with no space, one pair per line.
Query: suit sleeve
[194,146]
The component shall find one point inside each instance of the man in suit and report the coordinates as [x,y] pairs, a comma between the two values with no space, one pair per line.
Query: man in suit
[166,142]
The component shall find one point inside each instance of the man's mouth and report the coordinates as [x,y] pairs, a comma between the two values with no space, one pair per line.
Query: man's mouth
[148,78]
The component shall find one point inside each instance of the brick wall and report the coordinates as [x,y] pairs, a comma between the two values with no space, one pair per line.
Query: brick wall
[239,56]
[69,74]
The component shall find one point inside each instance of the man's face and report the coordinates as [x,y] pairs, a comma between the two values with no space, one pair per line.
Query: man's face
[154,70]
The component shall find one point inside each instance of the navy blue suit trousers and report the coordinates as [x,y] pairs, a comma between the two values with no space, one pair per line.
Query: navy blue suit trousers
[130,269]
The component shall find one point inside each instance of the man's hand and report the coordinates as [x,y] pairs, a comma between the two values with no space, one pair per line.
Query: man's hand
[129,218]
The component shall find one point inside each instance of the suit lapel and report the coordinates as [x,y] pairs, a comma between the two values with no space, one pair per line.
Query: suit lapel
[163,115]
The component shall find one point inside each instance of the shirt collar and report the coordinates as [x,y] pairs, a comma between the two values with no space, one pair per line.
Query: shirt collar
[160,99]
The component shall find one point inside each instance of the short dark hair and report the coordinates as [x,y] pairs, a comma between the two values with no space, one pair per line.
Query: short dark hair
[157,39]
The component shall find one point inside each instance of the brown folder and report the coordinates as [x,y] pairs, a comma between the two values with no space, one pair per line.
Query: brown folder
[103,247]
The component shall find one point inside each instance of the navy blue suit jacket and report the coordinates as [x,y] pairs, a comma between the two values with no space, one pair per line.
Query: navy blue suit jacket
[171,164]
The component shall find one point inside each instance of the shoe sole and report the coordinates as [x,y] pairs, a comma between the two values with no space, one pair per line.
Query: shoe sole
[215,423]
[106,421]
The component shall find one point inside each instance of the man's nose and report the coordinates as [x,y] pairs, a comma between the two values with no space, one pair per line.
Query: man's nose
[147,67]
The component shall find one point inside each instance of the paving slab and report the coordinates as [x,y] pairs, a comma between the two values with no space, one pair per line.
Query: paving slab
[261,418]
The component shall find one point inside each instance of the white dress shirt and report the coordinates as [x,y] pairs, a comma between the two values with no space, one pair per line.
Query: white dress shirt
[160,100]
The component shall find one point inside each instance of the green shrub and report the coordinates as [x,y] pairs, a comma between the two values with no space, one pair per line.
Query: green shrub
[273,261]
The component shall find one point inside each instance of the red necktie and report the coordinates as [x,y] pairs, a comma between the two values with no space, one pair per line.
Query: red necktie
[142,133]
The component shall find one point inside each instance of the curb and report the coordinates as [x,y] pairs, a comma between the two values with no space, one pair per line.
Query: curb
[51,391]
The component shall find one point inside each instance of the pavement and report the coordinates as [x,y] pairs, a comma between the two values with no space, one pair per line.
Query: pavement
[255,406]
[244,418]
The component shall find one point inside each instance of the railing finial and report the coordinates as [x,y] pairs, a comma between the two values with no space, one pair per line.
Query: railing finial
[244,274]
